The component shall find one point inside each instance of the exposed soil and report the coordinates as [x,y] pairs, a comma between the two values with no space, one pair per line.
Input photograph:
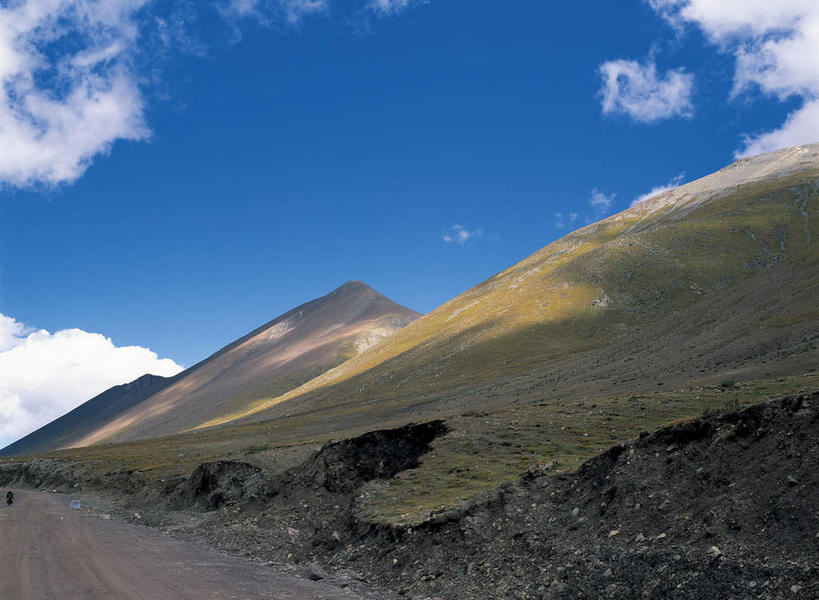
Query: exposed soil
[721,507]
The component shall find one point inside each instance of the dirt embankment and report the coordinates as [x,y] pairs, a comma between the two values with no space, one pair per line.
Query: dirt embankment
[722,507]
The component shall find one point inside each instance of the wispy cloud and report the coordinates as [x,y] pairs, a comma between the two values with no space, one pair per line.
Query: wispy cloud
[458,234]
[674,182]
[600,203]
[775,46]
[637,90]
[391,7]
[44,375]
[269,12]
[568,219]
[599,206]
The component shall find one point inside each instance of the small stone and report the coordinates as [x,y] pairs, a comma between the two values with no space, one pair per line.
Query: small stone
[661,536]
[575,511]
[314,572]
[796,589]
[714,552]
[613,532]
[293,534]
[640,538]
[792,481]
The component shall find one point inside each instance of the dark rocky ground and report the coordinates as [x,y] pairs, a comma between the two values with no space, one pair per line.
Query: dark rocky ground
[726,506]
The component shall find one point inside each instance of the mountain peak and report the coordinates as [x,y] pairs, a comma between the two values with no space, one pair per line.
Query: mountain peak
[355,286]
[270,360]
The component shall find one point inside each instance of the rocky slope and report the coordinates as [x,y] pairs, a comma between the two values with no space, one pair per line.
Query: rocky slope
[719,507]
[724,506]
[276,357]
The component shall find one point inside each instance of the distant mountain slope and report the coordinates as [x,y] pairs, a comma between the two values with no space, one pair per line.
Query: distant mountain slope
[267,362]
[717,278]
[88,416]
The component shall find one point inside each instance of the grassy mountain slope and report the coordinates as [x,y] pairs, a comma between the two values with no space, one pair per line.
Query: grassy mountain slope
[273,359]
[700,299]
[717,278]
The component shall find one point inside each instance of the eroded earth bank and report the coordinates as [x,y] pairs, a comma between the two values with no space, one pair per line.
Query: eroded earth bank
[725,506]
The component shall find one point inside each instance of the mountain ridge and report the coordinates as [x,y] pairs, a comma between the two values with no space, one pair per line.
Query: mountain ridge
[285,351]
[604,282]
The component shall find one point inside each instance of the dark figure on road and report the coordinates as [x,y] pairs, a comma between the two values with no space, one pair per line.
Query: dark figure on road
[9,497]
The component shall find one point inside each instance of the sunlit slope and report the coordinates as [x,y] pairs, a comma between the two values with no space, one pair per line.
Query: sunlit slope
[719,276]
[271,360]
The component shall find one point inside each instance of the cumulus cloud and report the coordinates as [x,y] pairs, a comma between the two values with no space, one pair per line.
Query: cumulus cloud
[458,234]
[68,87]
[44,375]
[637,90]
[776,50]
[674,182]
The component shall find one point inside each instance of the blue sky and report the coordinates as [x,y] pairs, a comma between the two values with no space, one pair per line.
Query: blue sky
[256,155]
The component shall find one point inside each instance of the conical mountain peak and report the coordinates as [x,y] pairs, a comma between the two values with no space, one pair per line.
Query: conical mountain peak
[270,360]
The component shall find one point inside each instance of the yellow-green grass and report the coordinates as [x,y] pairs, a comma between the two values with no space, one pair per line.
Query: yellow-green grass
[577,294]
[482,450]
[486,449]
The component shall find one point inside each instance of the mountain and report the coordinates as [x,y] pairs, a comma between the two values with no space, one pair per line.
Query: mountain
[716,279]
[273,359]
[92,414]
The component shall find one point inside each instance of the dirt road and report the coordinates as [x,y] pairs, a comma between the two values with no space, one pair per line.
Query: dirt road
[48,551]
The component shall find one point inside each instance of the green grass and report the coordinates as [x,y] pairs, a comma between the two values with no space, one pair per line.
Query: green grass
[485,450]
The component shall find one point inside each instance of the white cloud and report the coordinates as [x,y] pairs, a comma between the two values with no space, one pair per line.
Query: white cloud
[390,7]
[801,127]
[600,202]
[674,182]
[776,50]
[44,375]
[459,234]
[68,88]
[268,12]
[73,73]
[636,90]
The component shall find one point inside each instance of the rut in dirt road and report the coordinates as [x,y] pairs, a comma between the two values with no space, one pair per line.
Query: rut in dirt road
[49,551]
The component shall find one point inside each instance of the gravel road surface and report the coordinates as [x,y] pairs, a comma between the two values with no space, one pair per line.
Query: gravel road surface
[49,551]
